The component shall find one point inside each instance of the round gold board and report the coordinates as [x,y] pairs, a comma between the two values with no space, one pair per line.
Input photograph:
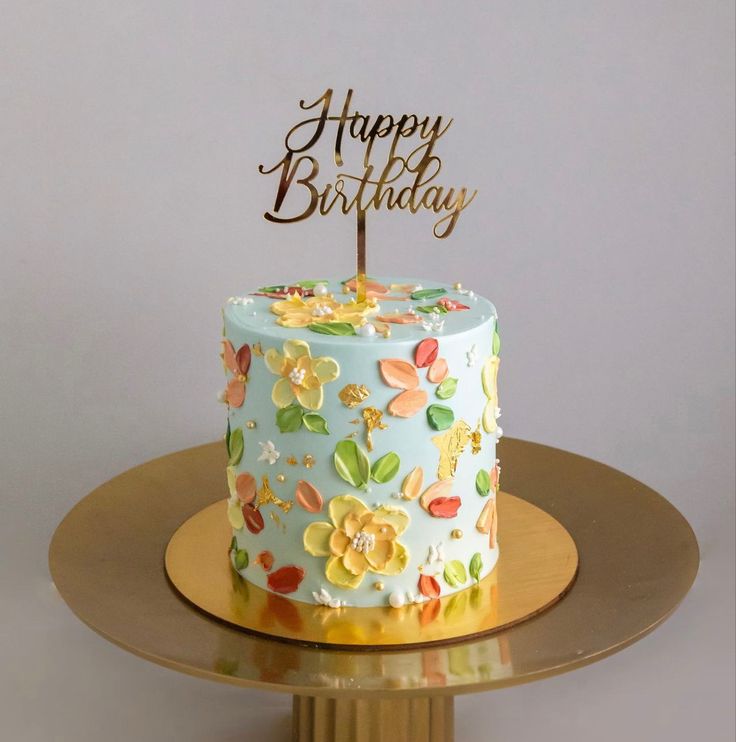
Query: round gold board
[638,559]
[538,563]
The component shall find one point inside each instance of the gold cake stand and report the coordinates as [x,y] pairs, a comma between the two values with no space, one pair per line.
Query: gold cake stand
[638,558]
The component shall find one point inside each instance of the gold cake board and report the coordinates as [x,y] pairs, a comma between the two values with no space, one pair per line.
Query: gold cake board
[537,565]
[638,559]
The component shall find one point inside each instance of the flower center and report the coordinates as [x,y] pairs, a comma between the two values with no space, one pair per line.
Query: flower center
[296,376]
[363,542]
[322,310]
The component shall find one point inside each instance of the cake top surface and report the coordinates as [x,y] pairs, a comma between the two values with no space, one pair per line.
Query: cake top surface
[396,310]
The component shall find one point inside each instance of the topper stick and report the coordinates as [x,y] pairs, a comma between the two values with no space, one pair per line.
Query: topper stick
[360,273]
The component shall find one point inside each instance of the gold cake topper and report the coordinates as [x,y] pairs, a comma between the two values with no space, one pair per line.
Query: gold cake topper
[377,187]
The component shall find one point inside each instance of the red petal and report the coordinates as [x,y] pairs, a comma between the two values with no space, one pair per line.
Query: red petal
[430,611]
[228,355]
[285,580]
[444,507]
[242,358]
[429,587]
[235,393]
[265,559]
[451,305]
[253,519]
[426,352]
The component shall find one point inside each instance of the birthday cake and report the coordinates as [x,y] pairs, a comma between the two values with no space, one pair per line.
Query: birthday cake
[361,440]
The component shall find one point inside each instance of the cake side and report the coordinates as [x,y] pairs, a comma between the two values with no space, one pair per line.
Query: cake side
[362,462]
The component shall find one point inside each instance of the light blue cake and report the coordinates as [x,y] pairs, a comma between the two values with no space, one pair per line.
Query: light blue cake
[362,440]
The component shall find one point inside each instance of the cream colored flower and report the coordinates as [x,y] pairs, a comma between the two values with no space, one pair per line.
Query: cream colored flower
[358,540]
[301,375]
[489,377]
[299,312]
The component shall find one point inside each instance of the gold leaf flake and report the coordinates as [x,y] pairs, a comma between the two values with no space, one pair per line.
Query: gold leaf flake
[266,495]
[291,461]
[353,394]
[308,460]
[475,440]
[373,420]
[257,350]
[451,444]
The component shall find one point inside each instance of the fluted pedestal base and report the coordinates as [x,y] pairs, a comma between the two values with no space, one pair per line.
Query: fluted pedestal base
[423,719]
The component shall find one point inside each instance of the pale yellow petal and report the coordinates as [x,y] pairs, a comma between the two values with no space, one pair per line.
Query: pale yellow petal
[355,562]
[325,369]
[489,417]
[398,561]
[380,555]
[394,516]
[310,398]
[339,542]
[489,376]
[296,348]
[288,305]
[317,538]
[231,477]
[274,361]
[282,393]
[235,515]
[337,574]
[343,505]
[295,319]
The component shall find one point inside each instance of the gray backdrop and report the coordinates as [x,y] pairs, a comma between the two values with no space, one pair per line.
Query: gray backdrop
[600,136]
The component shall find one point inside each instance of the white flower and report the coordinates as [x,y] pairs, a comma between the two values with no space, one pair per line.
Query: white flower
[499,432]
[268,452]
[324,598]
[472,355]
[240,300]
[433,323]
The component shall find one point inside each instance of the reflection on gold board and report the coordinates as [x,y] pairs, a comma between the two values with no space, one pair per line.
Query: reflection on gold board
[538,563]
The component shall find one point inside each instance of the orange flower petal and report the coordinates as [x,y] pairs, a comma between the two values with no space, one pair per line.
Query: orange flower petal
[228,355]
[484,522]
[399,374]
[372,286]
[399,319]
[408,403]
[412,484]
[442,488]
[339,542]
[235,393]
[426,352]
[308,496]
[245,486]
[242,359]
[429,587]
[265,559]
[438,371]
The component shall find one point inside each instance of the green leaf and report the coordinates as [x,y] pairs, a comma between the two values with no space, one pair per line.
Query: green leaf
[332,328]
[455,574]
[440,417]
[386,468]
[227,437]
[289,419]
[273,289]
[236,446]
[310,284]
[241,559]
[315,423]
[234,544]
[423,294]
[352,464]
[432,309]
[447,388]
[496,348]
[476,566]
[483,482]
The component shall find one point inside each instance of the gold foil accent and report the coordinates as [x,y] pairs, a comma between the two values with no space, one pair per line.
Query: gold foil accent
[372,418]
[291,461]
[457,286]
[475,440]
[275,518]
[266,495]
[308,460]
[353,394]
[257,350]
[451,444]
[352,435]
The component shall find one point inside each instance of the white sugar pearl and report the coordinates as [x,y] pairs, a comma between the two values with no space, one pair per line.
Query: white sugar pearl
[367,330]
[396,599]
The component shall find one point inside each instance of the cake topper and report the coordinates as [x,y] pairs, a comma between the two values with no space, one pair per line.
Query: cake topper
[378,185]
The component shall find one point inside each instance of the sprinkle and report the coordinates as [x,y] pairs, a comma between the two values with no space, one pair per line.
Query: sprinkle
[296,376]
[281,478]
[396,599]
[457,286]
[320,289]
[378,586]
[250,424]
[456,533]
[366,331]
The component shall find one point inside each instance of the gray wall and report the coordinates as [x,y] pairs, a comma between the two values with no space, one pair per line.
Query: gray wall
[600,136]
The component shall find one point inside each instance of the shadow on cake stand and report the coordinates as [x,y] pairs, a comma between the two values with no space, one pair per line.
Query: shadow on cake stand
[638,558]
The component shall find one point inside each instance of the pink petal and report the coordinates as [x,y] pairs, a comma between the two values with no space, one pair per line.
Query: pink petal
[242,358]
[438,371]
[235,393]
[228,355]
[245,486]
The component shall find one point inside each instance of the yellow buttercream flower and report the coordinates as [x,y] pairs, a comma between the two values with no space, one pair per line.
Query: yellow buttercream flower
[489,377]
[298,312]
[301,375]
[358,540]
